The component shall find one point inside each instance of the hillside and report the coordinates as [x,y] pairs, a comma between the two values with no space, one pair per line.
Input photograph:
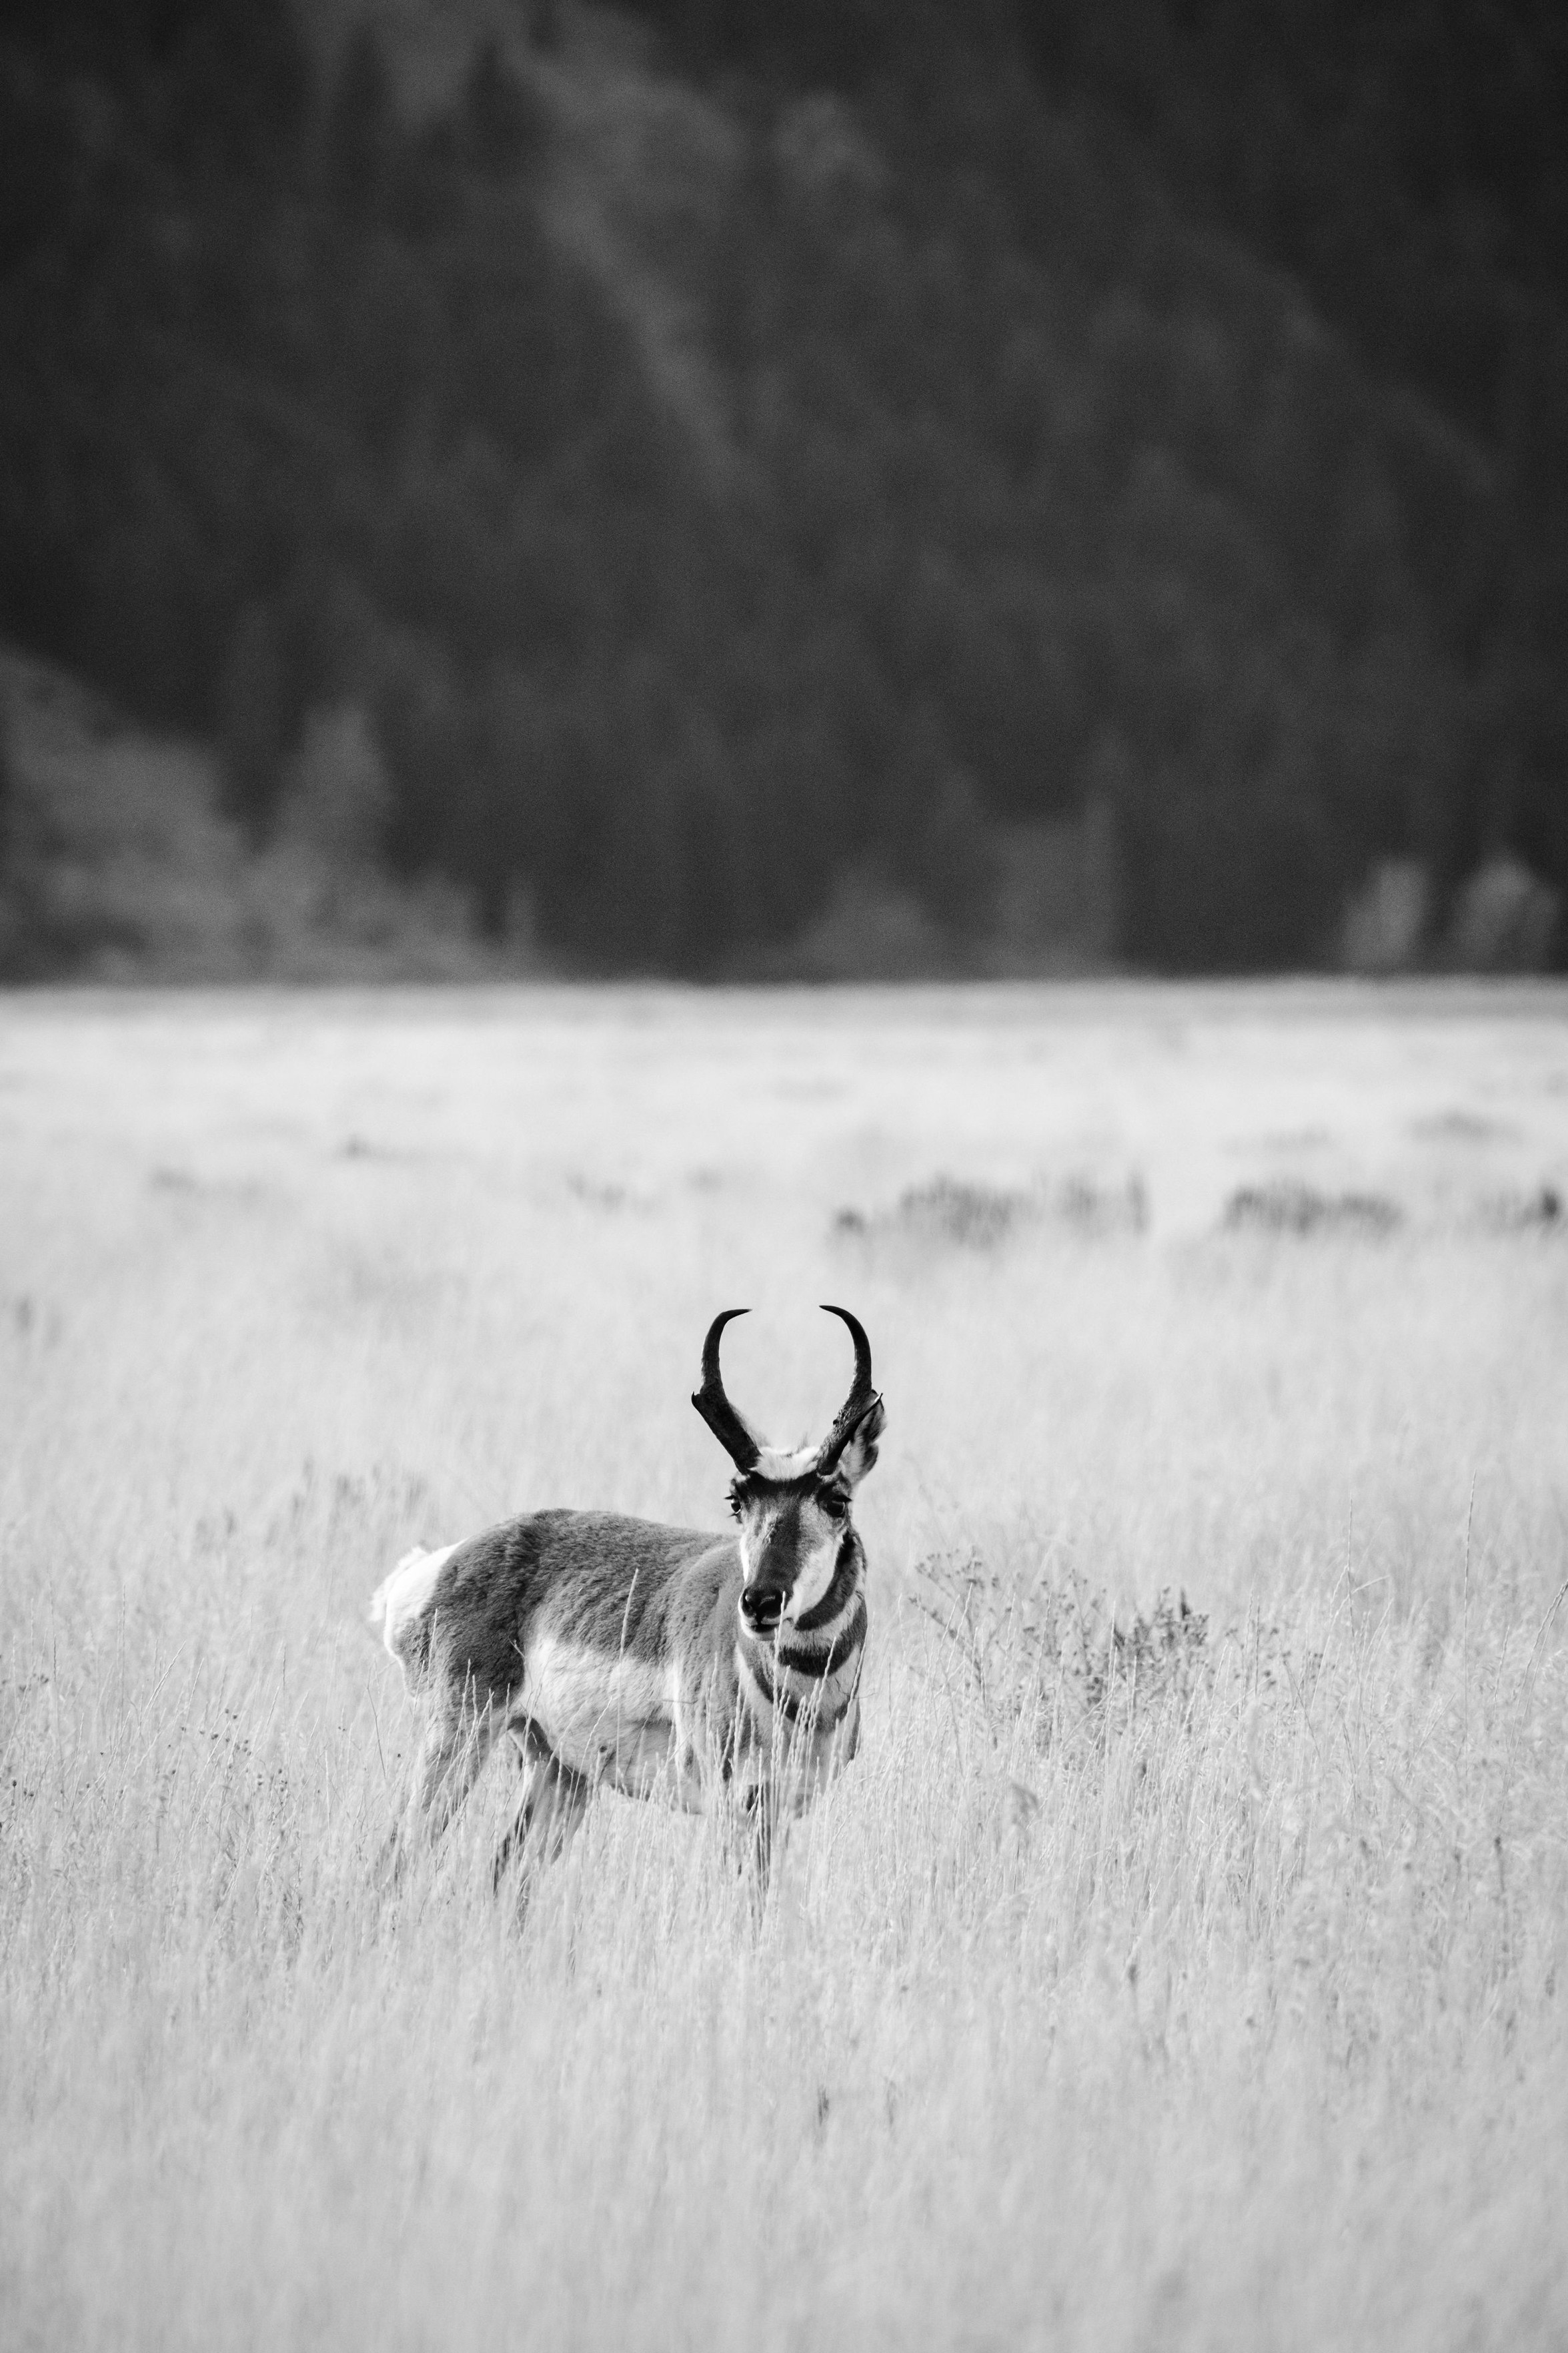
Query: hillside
[766,483]
[120,864]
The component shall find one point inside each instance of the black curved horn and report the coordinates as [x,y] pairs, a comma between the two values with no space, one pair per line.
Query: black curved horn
[712,1403]
[861,1397]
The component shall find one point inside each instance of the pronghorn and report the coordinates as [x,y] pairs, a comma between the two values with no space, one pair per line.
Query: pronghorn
[665,1662]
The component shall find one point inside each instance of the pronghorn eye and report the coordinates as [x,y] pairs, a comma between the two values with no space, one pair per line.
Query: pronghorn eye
[835,1504]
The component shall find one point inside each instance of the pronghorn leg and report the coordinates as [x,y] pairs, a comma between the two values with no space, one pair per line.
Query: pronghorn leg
[760,1831]
[452,1756]
[554,1800]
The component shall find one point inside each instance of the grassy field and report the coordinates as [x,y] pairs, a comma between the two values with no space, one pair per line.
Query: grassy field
[1199,1986]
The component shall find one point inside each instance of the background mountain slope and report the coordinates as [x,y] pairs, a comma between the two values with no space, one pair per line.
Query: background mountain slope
[728,458]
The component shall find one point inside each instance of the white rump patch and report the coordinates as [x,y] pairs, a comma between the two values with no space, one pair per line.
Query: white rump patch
[401,1600]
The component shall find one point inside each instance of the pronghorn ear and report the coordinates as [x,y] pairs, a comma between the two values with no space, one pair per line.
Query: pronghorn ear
[859,1452]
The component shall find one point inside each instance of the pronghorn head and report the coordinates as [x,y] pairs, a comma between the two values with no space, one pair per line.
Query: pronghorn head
[793,1504]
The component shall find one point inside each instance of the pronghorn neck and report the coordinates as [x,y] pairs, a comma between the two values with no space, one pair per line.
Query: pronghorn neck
[806,1672]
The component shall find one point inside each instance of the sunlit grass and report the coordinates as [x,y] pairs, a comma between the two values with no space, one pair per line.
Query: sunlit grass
[1220,2004]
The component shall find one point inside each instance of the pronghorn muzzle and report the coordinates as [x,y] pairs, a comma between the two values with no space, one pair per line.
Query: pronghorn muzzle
[762,1606]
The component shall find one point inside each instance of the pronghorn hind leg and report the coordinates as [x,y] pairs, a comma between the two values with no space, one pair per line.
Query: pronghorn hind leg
[554,1800]
[452,1755]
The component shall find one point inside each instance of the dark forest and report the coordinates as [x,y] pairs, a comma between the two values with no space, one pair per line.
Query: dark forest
[1148,416]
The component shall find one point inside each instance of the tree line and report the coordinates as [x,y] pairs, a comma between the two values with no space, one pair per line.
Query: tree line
[1114,409]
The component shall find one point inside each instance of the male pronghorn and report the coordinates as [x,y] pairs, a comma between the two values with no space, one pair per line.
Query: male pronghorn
[666,1661]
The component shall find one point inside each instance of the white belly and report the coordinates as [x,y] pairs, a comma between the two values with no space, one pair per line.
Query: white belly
[613,1719]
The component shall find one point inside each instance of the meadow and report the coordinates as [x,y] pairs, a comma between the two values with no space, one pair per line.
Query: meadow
[1158,1976]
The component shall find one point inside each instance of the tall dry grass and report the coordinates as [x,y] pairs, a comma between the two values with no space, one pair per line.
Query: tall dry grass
[1201,1987]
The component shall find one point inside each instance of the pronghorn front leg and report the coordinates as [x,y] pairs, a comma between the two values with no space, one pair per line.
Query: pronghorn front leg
[759,1829]
[451,1758]
[554,1800]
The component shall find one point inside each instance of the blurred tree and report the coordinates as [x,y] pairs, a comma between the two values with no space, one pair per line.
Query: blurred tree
[8,781]
[503,124]
[954,859]
[253,721]
[543,20]
[359,131]
[419,727]
[234,88]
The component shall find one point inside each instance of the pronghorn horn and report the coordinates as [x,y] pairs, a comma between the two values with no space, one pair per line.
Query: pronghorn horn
[712,1403]
[861,1397]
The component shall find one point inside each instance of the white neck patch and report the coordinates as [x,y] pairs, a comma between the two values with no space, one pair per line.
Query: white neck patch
[813,1579]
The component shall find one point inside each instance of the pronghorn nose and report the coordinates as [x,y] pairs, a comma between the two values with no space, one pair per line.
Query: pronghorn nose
[762,1606]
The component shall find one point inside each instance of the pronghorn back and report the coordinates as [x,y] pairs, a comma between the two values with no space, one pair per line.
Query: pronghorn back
[663,1660]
